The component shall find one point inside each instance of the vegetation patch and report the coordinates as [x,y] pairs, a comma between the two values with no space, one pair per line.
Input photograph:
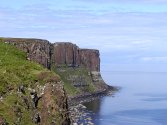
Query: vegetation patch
[76,80]
[15,71]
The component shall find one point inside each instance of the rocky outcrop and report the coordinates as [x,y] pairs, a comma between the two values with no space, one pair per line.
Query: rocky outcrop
[2,121]
[57,54]
[37,50]
[72,56]
[54,103]
[90,59]
[65,54]
[51,109]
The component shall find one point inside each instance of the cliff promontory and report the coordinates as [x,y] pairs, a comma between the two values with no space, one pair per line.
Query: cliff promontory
[59,53]
[79,68]
[41,93]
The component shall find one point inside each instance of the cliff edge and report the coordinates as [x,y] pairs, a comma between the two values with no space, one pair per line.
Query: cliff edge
[29,93]
[41,93]
[78,68]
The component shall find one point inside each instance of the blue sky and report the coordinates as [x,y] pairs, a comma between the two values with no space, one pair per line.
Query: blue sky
[125,31]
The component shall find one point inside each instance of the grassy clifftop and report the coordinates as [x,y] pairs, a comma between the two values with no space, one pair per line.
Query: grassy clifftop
[17,107]
[15,69]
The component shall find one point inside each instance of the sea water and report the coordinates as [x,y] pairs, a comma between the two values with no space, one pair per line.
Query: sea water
[142,100]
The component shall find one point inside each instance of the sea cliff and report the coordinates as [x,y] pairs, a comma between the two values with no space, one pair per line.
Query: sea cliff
[78,71]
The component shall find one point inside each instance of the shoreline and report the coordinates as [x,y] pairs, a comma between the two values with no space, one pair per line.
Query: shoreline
[87,97]
[77,111]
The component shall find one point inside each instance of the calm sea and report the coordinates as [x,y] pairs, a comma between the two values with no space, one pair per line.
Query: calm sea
[142,100]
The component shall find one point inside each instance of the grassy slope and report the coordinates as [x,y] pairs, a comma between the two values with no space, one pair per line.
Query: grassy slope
[15,70]
[65,74]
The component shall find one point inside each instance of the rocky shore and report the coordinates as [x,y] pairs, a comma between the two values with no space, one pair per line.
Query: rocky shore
[87,97]
[79,114]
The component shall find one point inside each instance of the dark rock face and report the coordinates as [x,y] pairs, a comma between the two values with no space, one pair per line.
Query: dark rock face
[37,118]
[69,54]
[35,99]
[65,54]
[37,50]
[55,107]
[90,59]
[58,54]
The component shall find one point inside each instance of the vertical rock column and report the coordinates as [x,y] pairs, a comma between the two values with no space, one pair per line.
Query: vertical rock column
[65,54]
[90,59]
[70,55]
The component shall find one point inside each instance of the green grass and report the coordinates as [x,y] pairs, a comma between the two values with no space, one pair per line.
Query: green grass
[65,73]
[70,89]
[16,70]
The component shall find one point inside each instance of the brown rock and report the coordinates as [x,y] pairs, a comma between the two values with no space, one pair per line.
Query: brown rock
[70,55]
[37,50]
[65,54]
[54,105]
[90,59]
[57,54]
[3,121]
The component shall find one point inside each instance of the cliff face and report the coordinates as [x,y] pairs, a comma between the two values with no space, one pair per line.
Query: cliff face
[78,68]
[58,54]
[44,105]
[71,55]
[62,54]
[65,54]
[90,59]
[37,50]
[54,106]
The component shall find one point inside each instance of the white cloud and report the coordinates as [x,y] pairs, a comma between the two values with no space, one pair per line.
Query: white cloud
[154,59]
[125,1]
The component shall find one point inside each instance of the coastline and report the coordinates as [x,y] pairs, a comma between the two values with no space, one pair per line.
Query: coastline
[77,111]
[87,97]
